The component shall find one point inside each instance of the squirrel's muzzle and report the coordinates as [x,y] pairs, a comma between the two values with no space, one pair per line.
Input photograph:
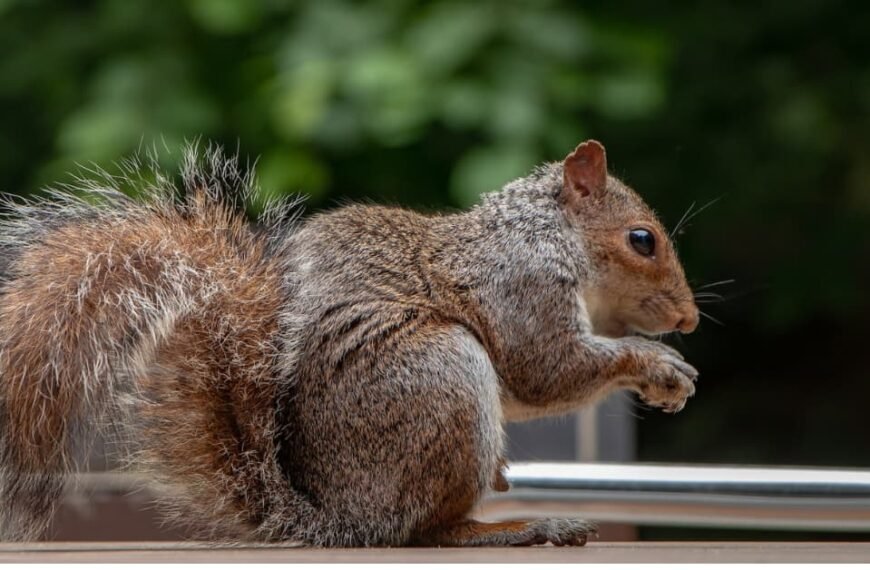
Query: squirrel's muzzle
[687,322]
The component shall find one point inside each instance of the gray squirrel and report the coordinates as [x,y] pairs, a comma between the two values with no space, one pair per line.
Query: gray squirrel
[339,381]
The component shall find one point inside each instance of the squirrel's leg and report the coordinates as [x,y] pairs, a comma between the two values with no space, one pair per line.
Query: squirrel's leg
[401,442]
[448,524]
[560,532]
[420,448]
[590,367]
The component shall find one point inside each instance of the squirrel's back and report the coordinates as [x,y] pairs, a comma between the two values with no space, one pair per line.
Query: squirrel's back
[157,320]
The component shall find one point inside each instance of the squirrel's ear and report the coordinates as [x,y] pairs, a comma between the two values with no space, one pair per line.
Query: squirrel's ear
[586,169]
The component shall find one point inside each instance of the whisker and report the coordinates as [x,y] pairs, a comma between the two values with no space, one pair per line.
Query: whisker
[680,223]
[703,294]
[709,300]
[714,319]
[625,398]
[633,414]
[698,211]
[679,339]
[716,284]
[640,405]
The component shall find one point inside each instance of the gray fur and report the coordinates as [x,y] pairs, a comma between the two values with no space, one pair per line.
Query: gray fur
[371,414]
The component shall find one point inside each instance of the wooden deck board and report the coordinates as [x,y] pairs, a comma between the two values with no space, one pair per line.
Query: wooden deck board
[601,552]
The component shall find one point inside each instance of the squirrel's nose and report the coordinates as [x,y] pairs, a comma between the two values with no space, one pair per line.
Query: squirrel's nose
[688,321]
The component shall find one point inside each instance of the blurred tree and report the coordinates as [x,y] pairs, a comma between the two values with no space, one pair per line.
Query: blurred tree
[485,90]
[431,103]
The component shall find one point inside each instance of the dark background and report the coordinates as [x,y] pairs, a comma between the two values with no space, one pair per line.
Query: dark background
[762,107]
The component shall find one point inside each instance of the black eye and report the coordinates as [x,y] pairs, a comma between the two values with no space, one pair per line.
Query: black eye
[643,242]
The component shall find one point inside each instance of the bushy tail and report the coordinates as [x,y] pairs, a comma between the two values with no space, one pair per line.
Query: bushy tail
[157,317]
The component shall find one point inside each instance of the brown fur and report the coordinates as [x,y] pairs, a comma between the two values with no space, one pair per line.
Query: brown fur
[342,382]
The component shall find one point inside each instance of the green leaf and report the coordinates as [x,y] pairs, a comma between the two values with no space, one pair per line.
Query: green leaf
[303,98]
[390,94]
[630,94]
[487,169]
[226,16]
[449,34]
[286,171]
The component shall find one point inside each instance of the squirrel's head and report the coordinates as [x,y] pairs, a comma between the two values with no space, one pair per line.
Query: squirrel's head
[638,283]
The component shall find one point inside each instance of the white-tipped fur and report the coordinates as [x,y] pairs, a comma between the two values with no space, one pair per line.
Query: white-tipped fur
[61,358]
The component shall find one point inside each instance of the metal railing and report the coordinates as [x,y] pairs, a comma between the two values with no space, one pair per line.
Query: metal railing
[647,494]
[676,495]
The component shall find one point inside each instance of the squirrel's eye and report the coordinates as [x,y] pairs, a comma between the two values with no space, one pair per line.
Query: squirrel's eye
[643,241]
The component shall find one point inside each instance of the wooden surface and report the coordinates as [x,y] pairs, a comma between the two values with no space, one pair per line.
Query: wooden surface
[663,552]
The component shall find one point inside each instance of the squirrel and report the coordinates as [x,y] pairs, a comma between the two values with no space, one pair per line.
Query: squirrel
[338,380]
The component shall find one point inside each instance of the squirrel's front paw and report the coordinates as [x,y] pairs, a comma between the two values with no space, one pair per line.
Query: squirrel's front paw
[667,381]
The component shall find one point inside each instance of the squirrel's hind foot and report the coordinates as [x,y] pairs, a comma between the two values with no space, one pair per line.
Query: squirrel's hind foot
[559,532]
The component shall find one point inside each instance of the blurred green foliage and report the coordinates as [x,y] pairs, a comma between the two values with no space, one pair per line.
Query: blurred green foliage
[303,85]
[762,105]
